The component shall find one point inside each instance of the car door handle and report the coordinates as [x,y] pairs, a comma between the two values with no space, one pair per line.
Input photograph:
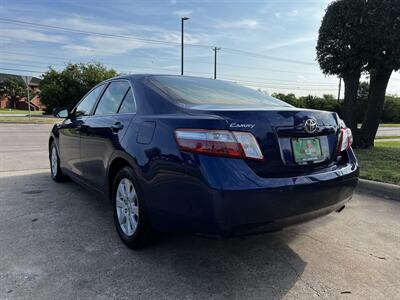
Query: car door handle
[116,127]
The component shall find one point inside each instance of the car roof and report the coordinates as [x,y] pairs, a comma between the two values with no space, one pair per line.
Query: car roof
[135,77]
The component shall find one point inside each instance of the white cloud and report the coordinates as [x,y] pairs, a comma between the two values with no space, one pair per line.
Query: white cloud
[97,45]
[78,22]
[82,23]
[88,45]
[78,49]
[30,35]
[183,12]
[104,46]
[244,23]
[175,37]
[290,42]
[93,44]
[172,67]
[292,13]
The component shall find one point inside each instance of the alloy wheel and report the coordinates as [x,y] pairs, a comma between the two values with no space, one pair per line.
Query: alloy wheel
[127,207]
[54,161]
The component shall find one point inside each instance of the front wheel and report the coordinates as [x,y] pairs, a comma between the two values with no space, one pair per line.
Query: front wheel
[55,169]
[129,211]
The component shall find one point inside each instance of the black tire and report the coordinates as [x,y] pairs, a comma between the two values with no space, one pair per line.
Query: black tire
[56,173]
[143,235]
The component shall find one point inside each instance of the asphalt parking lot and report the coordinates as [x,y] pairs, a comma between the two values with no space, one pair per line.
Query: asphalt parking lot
[57,241]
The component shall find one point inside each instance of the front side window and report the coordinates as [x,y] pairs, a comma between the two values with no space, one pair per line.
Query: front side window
[85,106]
[112,98]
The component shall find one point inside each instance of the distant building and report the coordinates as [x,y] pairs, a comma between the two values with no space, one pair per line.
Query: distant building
[35,102]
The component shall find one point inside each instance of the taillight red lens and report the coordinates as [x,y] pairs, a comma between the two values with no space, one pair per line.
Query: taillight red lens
[345,139]
[219,142]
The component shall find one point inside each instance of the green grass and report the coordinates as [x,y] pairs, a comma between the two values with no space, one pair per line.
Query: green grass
[390,125]
[387,137]
[29,120]
[19,111]
[381,163]
[384,125]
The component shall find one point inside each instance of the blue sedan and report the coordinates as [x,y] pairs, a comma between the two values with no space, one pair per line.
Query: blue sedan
[201,156]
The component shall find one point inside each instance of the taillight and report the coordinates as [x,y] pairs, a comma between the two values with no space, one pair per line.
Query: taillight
[226,143]
[345,139]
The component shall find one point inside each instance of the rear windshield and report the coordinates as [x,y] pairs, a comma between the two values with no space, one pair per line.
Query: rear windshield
[203,91]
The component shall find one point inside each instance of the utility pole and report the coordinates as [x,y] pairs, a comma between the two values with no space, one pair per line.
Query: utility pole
[340,86]
[182,20]
[215,49]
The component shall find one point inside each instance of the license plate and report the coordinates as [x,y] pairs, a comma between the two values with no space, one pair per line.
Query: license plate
[307,149]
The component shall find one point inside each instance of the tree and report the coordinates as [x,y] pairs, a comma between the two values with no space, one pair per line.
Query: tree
[14,89]
[391,111]
[381,48]
[338,49]
[362,101]
[289,98]
[361,36]
[65,88]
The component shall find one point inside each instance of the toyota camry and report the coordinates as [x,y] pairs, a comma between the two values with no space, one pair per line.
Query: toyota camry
[201,156]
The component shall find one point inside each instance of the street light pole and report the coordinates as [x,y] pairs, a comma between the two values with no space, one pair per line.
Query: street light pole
[215,49]
[182,20]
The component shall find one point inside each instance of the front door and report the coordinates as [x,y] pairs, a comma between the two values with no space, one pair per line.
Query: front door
[71,130]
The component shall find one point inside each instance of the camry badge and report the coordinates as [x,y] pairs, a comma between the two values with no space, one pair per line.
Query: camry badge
[237,125]
[310,126]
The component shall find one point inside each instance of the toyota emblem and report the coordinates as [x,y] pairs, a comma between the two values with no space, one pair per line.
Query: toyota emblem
[310,126]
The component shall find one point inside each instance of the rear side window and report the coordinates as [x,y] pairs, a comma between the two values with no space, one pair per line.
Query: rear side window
[128,104]
[85,106]
[112,98]
[193,90]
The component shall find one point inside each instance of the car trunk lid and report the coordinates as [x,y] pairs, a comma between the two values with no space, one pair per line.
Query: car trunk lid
[284,136]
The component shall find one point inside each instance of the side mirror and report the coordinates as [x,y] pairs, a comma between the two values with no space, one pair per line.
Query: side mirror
[61,112]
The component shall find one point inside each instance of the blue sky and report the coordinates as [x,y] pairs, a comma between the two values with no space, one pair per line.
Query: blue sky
[260,30]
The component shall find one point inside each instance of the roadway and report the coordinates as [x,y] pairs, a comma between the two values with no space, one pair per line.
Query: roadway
[57,241]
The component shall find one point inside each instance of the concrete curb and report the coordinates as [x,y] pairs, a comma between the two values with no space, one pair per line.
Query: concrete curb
[385,190]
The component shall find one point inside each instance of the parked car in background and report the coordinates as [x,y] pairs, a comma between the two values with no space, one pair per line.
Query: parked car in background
[201,156]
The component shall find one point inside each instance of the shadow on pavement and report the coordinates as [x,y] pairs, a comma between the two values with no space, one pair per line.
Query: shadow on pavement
[58,240]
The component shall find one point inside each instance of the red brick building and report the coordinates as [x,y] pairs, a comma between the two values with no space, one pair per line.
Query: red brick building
[35,102]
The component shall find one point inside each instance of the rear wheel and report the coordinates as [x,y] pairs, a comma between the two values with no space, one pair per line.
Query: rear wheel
[129,211]
[55,169]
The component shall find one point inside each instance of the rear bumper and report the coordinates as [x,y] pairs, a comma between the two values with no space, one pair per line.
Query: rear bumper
[243,203]
[244,212]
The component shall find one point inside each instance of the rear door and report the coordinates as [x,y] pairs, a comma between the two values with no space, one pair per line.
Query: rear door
[103,131]
[70,132]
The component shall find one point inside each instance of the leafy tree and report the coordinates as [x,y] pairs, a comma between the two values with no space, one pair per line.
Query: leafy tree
[391,110]
[14,89]
[338,49]
[65,88]
[361,36]
[381,50]
[329,98]
[289,98]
